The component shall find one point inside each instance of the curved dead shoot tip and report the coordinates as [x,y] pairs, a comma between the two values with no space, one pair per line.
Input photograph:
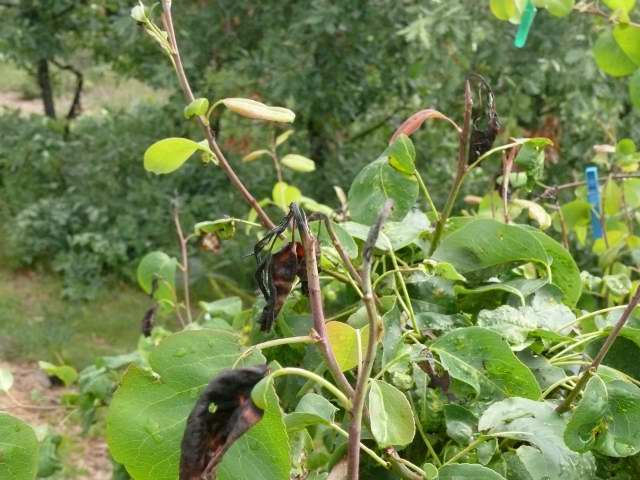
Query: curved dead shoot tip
[223,413]
[415,121]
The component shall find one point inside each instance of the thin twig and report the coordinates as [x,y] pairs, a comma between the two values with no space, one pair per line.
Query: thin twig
[208,133]
[593,368]
[355,426]
[461,170]
[506,173]
[184,267]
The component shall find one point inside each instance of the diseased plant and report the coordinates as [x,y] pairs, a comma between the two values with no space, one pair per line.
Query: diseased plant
[454,330]
[418,346]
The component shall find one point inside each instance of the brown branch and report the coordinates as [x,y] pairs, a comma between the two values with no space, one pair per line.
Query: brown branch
[184,266]
[594,9]
[355,427]
[606,346]
[553,190]
[76,104]
[208,133]
[310,245]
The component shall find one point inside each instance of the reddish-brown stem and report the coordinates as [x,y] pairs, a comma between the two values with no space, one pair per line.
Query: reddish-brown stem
[355,427]
[208,133]
[597,360]
[184,267]
[310,245]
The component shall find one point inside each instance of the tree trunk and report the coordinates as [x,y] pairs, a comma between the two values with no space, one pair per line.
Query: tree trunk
[46,90]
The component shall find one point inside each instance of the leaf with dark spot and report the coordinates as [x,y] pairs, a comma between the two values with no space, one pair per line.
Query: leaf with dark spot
[222,414]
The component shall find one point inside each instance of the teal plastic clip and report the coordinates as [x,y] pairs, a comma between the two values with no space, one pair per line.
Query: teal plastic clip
[526,21]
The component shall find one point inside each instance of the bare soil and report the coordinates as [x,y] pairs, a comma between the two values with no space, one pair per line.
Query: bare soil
[37,402]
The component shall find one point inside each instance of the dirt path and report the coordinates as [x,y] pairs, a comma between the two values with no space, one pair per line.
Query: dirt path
[13,100]
[87,457]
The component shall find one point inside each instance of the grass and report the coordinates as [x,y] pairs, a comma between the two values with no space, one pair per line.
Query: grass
[37,324]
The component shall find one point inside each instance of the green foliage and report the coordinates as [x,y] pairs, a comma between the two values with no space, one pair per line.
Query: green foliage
[392,418]
[145,411]
[19,449]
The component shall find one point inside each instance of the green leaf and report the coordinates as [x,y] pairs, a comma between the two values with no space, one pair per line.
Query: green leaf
[530,159]
[565,274]
[398,234]
[18,449]
[509,322]
[224,228]
[284,194]
[6,380]
[482,246]
[624,5]
[537,424]
[256,154]
[147,416]
[284,136]
[67,374]
[611,59]
[392,422]
[588,418]
[503,9]
[264,450]
[168,155]
[259,111]
[626,146]
[346,240]
[313,409]
[468,471]
[227,308]
[158,265]
[619,284]
[634,89]
[461,423]
[298,163]
[628,39]
[344,341]
[402,155]
[536,212]
[559,8]
[545,373]
[606,419]
[198,108]
[376,183]
[482,359]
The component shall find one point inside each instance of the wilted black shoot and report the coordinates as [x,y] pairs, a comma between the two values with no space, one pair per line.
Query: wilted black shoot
[221,415]
[276,273]
[485,124]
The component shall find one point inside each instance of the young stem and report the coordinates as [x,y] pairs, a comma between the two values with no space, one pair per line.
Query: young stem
[301,372]
[461,170]
[208,133]
[425,192]
[593,368]
[185,265]
[364,448]
[467,449]
[403,287]
[276,343]
[353,455]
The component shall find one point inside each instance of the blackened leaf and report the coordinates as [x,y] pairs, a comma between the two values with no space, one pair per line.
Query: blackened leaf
[149,410]
[221,415]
